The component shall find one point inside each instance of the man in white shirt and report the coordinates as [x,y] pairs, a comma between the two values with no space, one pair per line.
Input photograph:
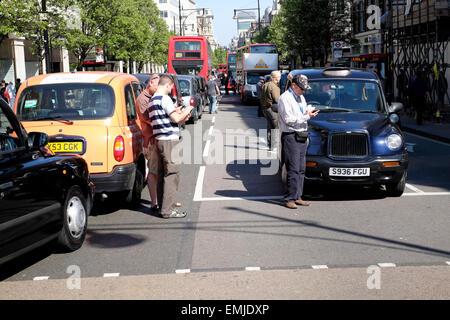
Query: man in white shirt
[165,119]
[293,115]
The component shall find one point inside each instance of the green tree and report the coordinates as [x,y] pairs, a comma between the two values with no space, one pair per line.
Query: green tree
[219,56]
[26,19]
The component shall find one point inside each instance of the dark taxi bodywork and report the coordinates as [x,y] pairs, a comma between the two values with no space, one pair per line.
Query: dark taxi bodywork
[356,138]
[42,196]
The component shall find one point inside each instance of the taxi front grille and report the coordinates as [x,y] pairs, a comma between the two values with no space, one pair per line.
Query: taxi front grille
[353,145]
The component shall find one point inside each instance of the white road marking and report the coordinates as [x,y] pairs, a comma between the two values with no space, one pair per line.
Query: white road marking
[198,197]
[386,265]
[183,271]
[213,119]
[210,130]
[320,267]
[199,186]
[409,186]
[206,150]
[429,139]
[448,262]
[41,278]
[110,275]
[252,268]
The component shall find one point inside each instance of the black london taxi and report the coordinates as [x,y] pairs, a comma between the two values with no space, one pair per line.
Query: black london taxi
[356,138]
[43,197]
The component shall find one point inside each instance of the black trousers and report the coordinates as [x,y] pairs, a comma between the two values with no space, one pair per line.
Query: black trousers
[272,123]
[294,157]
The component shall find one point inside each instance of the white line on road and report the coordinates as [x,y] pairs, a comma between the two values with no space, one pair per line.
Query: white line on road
[183,271]
[206,151]
[213,119]
[110,275]
[427,194]
[414,188]
[252,268]
[210,130]
[41,278]
[386,265]
[448,262]
[320,267]
[429,139]
[199,186]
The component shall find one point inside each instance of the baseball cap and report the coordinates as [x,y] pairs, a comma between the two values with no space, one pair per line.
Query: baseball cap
[301,81]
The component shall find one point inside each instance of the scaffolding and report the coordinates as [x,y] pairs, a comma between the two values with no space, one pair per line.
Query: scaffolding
[418,35]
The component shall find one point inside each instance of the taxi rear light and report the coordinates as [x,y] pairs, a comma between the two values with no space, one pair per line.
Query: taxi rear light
[311,164]
[391,164]
[192,102]
[119,148]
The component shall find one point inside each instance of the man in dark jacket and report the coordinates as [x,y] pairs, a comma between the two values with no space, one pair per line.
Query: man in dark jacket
[270,94]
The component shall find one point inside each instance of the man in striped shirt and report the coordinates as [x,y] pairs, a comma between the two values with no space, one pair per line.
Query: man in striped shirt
[165,118]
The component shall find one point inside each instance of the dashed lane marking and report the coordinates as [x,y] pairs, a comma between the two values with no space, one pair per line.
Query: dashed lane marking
[110,275]
[183,271]
[41,278]
[387,265]
[318,267]
[252,268]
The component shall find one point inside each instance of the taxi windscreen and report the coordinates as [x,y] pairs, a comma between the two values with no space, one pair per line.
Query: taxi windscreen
[345,95]
[68,101]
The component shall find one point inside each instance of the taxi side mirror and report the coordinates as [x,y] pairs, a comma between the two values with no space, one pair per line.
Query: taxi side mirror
[37,140]
[395,107]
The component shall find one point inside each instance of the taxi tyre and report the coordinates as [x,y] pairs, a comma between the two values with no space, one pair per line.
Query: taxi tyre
[396,189]
[194,116]
[133,198]
[75,216]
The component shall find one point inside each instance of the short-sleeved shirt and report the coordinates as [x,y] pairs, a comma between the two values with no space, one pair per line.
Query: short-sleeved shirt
[211,85]
[159,109]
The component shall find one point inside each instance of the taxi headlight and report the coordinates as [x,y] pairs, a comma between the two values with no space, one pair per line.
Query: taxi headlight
[394,142]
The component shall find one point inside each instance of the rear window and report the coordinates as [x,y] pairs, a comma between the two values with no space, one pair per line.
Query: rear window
[68,101]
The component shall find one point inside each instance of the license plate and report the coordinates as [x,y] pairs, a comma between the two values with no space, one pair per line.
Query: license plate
[66,147]
[349,172]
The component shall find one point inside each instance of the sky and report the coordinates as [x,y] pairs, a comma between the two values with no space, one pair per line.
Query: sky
[225,28]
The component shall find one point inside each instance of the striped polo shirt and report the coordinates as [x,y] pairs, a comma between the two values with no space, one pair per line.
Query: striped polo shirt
[159,109]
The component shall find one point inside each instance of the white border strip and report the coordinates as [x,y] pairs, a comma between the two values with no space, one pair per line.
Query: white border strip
[111,275]
[41,278]
[180,271]
[387,265]
[320,267]
[252,269]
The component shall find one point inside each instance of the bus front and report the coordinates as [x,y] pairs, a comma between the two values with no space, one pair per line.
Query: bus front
[188,56]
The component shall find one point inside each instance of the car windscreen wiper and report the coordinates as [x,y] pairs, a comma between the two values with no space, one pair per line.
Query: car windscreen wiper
[56,118]
[335,110]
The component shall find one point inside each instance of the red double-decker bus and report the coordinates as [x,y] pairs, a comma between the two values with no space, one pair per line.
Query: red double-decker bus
[189,55]
[258,48]
[231,71]
[221,68]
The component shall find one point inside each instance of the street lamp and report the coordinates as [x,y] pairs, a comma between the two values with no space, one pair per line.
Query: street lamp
[259,15]
[48,65]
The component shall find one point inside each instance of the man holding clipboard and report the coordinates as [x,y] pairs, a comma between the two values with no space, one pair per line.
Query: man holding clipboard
[165,118]
[293,115]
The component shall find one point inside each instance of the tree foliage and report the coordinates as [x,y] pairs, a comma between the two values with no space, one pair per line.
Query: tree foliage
[124,29]
[219,56]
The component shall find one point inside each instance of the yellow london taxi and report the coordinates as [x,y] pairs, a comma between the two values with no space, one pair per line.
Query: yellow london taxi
[92,114]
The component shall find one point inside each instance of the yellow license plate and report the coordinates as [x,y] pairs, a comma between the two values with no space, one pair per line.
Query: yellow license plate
[66,147]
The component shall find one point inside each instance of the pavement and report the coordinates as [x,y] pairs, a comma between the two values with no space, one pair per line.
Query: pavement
[432,130]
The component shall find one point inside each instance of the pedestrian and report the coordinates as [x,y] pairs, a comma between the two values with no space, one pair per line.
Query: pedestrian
[165,118]
[227,82]
[12,94]
[213,92]
[258,94]
[294,115]
[420,95]
[2,90]
[18,83]
[270,93]
[150,148]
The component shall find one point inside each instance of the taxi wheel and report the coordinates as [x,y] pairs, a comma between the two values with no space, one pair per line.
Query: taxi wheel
[396,189]
[134,195]
[75,215]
